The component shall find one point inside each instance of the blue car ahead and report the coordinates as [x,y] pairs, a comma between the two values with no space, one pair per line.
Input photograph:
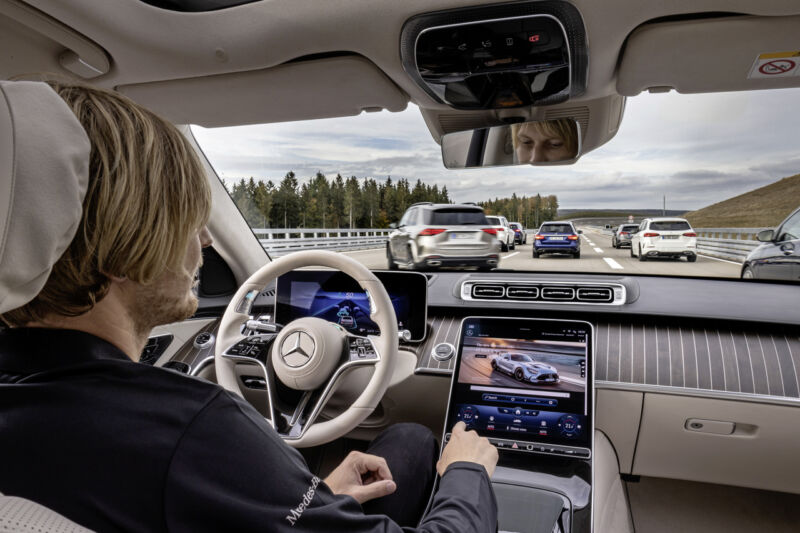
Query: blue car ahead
[557,237]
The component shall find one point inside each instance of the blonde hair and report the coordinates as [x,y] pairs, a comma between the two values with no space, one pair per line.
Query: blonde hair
[563,128]
[147,195]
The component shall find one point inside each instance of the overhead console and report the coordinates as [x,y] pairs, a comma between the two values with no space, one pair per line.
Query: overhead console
[527,385]
[498,57]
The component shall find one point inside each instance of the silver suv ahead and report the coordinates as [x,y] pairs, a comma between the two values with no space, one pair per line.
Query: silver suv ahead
[432,235]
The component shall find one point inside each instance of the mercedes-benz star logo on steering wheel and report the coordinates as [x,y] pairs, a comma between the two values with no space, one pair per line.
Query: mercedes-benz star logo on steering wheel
[297,348]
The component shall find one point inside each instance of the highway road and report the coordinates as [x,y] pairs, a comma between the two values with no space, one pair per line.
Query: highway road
[597,255]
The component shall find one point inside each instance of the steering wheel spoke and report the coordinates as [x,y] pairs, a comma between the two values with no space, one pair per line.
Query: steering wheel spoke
[358,352]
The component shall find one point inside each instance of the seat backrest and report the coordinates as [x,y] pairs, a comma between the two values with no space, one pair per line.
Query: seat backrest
[18,515]
[44,171]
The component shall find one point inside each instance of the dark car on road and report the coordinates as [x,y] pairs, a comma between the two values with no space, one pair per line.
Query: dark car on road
[557,237]
[779,256]
[520,237]
[622,235]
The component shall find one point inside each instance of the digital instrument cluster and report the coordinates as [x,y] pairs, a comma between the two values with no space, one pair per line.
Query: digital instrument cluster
[336,297]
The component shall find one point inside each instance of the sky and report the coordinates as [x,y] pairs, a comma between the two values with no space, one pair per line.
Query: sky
[695,149]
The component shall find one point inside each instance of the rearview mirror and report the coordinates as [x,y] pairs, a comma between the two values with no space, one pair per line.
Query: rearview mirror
[547,142]
[393,225]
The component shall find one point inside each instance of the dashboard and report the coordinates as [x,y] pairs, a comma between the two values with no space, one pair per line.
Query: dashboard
[691,374]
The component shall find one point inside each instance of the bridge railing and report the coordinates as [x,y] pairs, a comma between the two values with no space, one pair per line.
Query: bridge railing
[281,241]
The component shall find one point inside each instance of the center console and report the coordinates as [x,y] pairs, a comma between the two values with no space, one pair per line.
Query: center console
[527,385]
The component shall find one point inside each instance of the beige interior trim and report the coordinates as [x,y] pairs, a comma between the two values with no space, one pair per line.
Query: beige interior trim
[617,415]
[610,505]
[182,332]
[289,92]
[761,451]
[81,56]
[678,55]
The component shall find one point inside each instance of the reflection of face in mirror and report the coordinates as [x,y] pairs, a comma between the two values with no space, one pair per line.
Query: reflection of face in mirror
[545,142]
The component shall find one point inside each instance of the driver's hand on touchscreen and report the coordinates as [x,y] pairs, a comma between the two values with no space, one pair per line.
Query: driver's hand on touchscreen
[467,446]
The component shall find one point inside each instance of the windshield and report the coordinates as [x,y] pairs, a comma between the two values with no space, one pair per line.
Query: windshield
[556,228]
[724,165]
[456,217]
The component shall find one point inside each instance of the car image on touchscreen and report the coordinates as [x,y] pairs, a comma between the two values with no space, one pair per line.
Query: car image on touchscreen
[556,365]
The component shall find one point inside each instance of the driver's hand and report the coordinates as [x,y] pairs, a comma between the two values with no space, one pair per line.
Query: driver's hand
[468,446]
[362,476]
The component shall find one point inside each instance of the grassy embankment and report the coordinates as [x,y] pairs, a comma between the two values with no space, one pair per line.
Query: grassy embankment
[760,208]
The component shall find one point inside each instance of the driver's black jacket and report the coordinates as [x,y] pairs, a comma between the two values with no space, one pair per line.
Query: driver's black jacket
[121,446]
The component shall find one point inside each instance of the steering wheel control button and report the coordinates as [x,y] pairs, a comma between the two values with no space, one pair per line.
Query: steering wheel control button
[297,349]
[443,351]
[204,341]
[361,349]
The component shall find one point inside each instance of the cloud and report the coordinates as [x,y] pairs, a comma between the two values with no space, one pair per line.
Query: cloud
[695,149]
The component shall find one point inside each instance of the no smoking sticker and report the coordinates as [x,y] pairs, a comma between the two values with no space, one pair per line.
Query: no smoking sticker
[776,65]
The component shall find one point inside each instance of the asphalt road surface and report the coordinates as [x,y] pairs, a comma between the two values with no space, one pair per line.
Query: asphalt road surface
[478,371]
[597,255]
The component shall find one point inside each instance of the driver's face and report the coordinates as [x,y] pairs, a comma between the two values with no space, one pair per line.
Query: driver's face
[535,146]
[170,298]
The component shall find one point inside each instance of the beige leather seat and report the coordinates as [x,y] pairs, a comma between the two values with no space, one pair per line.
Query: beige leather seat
[44,157]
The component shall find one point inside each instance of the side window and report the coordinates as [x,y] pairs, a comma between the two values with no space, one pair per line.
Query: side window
[790,230]
[406,218]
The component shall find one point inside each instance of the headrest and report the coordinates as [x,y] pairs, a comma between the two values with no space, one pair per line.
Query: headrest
[44,172]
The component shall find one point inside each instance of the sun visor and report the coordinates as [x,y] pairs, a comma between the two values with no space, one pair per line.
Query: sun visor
[302,90]
[740,53]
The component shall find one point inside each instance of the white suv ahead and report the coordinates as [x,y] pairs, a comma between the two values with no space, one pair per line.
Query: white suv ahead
[665,237]
[504,232]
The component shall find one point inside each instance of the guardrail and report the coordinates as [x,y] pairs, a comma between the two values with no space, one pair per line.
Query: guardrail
[281,241]
[732,244]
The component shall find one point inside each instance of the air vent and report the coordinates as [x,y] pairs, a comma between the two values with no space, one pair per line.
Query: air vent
[516,292]
[488,292]
[535,291]
[598,294]
[558,293]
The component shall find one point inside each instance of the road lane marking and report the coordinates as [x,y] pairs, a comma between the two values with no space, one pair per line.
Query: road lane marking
[509,255]
[598,250]
[718,259]
[613,264]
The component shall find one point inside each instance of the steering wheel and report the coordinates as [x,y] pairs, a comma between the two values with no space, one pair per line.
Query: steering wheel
[309,355]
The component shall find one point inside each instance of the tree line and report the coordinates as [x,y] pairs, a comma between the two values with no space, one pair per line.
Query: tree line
[339,202]
[329,203]
[530,211]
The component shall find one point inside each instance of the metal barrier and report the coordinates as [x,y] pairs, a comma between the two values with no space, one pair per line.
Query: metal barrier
[281,241]
[732,244]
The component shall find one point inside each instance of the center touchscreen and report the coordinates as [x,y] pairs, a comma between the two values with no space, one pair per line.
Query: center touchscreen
[526,384]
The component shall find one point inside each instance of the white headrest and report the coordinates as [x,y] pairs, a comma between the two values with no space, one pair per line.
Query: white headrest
[44,172]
